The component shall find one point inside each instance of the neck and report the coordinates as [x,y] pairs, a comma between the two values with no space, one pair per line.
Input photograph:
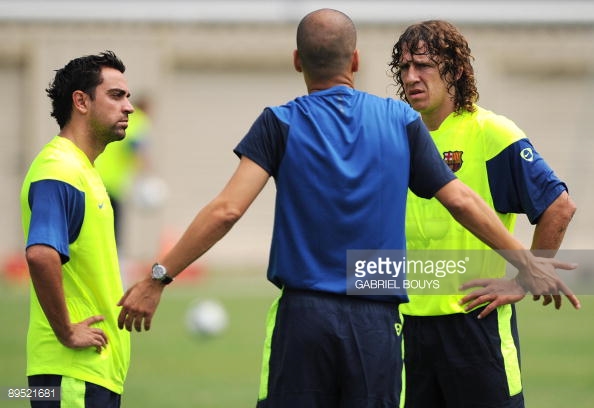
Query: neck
[433,122]
[82,140]
[435,117]
[315,85]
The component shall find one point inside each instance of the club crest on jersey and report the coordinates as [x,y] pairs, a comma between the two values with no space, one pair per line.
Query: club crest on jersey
[453,159]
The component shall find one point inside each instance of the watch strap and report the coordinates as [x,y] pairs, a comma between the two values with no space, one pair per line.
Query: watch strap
[165,279]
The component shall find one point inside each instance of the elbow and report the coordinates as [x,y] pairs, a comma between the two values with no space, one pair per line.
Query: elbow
[227,215]
[38,256]
[458,207]
[457,198]
[562,209]
[569,209]
[572,205]
[461,204]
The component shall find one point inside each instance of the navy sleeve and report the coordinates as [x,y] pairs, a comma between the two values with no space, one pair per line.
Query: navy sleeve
[522,182]
[57,213]
[428,171]
[265,142]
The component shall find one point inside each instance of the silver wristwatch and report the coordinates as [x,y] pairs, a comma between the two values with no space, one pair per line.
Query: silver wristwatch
[159,272]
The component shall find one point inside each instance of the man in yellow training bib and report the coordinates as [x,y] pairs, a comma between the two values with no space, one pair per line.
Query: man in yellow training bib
[467,356]
[73,340]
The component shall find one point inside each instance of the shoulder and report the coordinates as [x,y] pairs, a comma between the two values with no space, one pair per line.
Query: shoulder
[56,161]
[498,131]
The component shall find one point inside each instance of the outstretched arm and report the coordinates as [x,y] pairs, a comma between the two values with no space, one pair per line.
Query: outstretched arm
[212,222]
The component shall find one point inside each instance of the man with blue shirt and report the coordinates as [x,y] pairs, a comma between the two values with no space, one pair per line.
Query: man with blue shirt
[73,341]
[342,161]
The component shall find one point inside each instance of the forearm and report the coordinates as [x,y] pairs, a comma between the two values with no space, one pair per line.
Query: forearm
[211,224]
[45,269]
[550,229]
[472,212]
[140,302]
[216,219]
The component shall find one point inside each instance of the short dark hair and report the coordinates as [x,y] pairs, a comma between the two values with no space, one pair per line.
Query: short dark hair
[326,40]
[449,49]
[84,74]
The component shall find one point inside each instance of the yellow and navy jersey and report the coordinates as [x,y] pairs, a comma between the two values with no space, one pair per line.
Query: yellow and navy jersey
[489,153]
[343,161]
[65,206]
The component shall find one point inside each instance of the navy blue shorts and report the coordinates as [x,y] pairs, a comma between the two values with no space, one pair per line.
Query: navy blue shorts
[325,350]
[74,393]
[460,361]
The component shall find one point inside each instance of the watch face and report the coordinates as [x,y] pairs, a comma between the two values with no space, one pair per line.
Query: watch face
[158,271]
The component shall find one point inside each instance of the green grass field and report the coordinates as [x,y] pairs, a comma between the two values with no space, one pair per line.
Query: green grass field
[170,368]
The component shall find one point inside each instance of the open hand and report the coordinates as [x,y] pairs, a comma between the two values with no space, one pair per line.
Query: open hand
[494,291]
[541,279]
[139,304]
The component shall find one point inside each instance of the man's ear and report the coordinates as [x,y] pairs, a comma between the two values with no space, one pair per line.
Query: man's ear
[297,61]
[80,101]
[355,62]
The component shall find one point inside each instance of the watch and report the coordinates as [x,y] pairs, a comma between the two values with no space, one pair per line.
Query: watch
[159,272]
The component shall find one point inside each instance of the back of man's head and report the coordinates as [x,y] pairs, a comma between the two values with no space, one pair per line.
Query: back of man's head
[326,40]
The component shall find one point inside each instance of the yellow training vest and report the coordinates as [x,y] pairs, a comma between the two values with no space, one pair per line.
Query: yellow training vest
[467,141]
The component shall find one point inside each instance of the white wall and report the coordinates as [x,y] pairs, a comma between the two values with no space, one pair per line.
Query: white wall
[210,81]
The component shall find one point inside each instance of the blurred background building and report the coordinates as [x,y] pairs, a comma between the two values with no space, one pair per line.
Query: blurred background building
[210,67]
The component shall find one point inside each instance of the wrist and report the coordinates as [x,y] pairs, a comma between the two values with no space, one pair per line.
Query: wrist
[521,259]
[64,335]
[159,274]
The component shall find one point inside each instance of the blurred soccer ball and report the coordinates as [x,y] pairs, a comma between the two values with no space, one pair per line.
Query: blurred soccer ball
[150,192]
[206,318]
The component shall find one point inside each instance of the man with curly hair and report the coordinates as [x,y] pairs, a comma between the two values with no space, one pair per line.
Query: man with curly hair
[463,351]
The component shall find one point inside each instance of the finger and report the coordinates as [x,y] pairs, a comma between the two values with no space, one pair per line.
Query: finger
[130,322]
[147,323]
[96,337]
[568,266]
[558,300]
[103,337]
[488,309]
[546,299]
[536,298]
[122,318]
[123,299]
[472,296]
[573,299]
[102,343]
[479,301]
[138,323]
[92,320]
